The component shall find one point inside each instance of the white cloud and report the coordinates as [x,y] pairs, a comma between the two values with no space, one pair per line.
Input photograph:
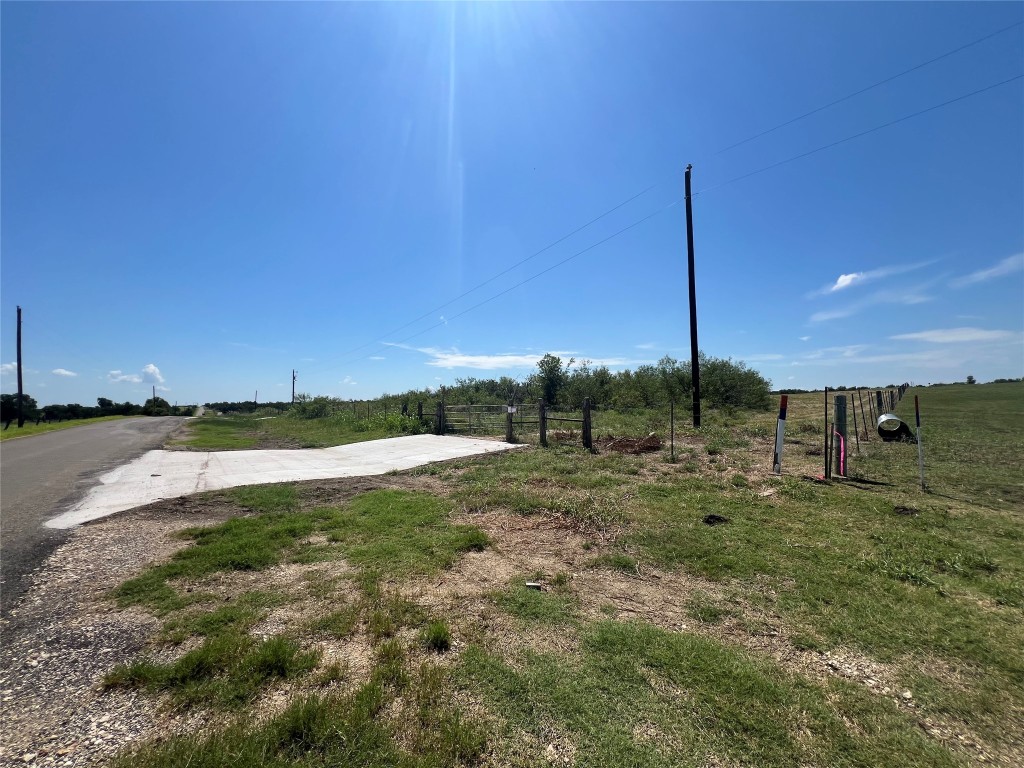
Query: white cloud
[954,335]
[805,338]
[1007,266]
[63,372]
[151,375]
[846,280]
[6,368]
[761,358]
[116,376]
[348,380]
[453,358]
[646,345]
[835,314]
[377,357]
[909,296]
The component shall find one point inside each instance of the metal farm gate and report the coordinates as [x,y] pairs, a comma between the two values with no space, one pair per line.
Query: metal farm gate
[507,420]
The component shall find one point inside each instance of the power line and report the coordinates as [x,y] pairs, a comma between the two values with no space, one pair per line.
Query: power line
[868,88]
[659,183]
[738,178]
[505,271]
[521,283]
[678,200]
[858,135]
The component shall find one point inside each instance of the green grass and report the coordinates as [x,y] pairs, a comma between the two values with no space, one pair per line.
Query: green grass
[640,696]
[436,636]
[384,533]
[937,595]
[237,432]
[31,428]
[228,669]
[351,729]
[841,567]
[972,439]
[536,606]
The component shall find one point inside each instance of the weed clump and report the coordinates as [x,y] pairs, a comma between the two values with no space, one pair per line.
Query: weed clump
[436,637]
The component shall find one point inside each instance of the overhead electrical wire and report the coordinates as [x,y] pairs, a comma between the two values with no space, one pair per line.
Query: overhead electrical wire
[678,200]
[523,282]
[858,135]
[649,188]
[505,271]
[849,96]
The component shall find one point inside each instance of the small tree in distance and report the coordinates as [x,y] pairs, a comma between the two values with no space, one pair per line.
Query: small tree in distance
[156,406]
[971,380]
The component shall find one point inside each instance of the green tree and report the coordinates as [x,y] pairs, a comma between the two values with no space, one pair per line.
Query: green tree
[156,406]
[552,377]
[9,408]
[971,380]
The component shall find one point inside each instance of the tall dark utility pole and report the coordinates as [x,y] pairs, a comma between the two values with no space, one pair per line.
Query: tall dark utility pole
[293,385]
[694,362]
[21,391]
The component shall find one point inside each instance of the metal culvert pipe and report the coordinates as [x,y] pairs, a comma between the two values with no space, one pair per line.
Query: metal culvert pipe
[892,428]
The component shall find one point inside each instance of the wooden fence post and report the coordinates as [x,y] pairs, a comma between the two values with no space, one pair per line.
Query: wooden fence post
[419,410]
[588,441]
[439,420]
[542,418]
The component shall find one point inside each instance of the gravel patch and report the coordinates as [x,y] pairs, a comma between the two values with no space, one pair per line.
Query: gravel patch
[64,635]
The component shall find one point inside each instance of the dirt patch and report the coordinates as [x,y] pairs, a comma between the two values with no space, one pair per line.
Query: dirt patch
[633,445]
[65,634]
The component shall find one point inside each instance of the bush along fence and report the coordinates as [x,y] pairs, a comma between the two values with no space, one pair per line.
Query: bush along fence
[854,408]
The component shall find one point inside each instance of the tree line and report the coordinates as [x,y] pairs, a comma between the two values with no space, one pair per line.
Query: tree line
[155,406]
[725,383]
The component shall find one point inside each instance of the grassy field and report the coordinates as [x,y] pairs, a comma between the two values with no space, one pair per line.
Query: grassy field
[37,429]
[551,606]
[220,433]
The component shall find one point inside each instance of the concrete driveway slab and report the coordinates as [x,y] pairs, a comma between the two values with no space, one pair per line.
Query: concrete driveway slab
[169,474]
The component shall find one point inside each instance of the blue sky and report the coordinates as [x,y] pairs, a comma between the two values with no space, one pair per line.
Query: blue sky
[202,197]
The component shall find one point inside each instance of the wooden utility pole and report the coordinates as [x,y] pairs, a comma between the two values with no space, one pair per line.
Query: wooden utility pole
[694,361]
[293,385]
[21,389]
[154,394]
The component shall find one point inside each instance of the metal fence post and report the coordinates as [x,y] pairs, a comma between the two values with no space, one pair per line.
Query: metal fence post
[839,428]
[509,437]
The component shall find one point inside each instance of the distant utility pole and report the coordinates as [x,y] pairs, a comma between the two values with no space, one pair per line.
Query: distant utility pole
[255,400]
[21,390]
[694,361]
[154,394]
[293,385]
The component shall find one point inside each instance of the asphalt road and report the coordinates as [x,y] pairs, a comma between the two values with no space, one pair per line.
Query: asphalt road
[40,476]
